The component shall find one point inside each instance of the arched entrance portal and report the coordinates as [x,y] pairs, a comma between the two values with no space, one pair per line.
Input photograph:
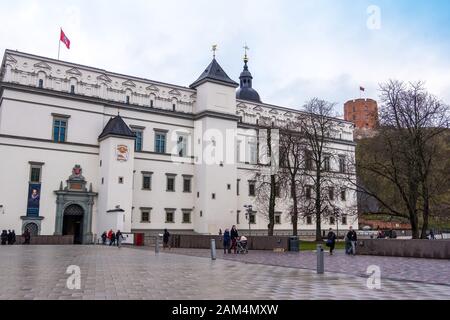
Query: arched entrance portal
[73,223]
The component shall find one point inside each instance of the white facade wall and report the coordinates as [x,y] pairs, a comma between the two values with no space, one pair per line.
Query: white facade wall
[26,116]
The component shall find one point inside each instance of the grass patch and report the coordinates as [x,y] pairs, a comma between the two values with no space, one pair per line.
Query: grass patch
[310,245]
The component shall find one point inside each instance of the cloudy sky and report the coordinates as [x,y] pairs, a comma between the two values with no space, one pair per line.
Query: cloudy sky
[298,49]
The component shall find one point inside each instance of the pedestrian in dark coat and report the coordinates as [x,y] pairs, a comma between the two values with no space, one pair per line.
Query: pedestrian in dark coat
[352,238]
[4,237]
[234,239]
[113,239]
[9,237]
[119,238]
[104,236]
[226,241]
[331,241]
[13,237]
[166,238]
[27,236]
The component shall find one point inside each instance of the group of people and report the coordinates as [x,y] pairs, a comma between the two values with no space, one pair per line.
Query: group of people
[230,239]
[8,237]
[112,238]
[350,241]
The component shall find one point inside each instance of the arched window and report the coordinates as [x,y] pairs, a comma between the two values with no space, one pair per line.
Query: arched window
[152,100]
[128,95]
[174,104]
[73,85]
[41,79]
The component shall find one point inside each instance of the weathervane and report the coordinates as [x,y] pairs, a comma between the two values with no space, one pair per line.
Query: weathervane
[214,49]
[246,48]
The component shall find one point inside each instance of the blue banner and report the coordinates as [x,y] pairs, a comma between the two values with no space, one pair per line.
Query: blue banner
[34,199]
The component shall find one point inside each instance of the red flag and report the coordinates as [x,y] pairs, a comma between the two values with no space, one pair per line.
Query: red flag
[362,89]
[64,39]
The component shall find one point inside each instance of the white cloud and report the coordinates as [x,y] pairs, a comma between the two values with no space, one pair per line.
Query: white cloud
[299,49]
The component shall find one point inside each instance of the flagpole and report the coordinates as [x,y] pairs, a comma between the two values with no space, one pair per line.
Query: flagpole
[59,43]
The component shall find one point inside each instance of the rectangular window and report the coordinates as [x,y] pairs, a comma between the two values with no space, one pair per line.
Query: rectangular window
[138,142]
[41,83]
[170,216]
[344,220]
[187,216]
[35,174]
[332,221]
[238,217]
[72,89]
[253,218]
[343,194]
[59,130]
[213,196]
[121,180]
[128,100]
[252,188]
[253,153]
[277,190]
[327,163]
[308,160]
[160,142]
[171,183]
[308,192]
[331,193]
[238,151]
[308,220]
[238,187]
[278,218]
[147,180]
[152,103]
[145,215]
[187,184]
[342,164]
[182,146]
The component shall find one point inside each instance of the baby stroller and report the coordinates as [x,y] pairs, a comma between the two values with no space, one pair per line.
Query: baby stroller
[242,245]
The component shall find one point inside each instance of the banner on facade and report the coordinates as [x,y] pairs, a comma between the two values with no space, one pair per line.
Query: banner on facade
[34,199]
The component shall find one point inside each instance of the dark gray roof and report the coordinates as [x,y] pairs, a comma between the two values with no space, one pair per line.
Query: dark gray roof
[248,94]
[214,73]
[117,127]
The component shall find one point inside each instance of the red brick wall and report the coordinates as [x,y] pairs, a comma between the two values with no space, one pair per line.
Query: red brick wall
[362,112]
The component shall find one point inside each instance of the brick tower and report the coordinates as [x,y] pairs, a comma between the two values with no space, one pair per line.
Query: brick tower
[364,114]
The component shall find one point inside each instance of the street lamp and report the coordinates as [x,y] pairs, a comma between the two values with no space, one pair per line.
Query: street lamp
[247,216]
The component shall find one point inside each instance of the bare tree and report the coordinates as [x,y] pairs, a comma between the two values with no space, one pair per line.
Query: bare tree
[316,126]
[403,156]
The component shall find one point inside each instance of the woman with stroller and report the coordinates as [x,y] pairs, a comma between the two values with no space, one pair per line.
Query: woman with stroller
[226,241]
[234,239]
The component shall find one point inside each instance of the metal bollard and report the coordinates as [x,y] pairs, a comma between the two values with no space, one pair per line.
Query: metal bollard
[320,259]
[157,244]
[213,249]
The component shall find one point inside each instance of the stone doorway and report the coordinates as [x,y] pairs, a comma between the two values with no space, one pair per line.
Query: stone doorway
[73,223]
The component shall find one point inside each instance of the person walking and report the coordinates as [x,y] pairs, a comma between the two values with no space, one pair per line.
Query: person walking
[4,237]
[13,237]
[432,237]
[234,238]
[226,241]
[166,238]
[104,237]
[109,236]
[352,238]
[9,237]
[112,241]
[331,241]
[119,238]
[27,236]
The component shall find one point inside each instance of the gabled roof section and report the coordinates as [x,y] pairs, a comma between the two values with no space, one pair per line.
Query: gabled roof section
[214,73]
[118,128]
[74,71]
[104,77]
[43,65]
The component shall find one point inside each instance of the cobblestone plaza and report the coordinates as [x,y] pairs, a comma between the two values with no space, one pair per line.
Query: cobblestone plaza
[39,272]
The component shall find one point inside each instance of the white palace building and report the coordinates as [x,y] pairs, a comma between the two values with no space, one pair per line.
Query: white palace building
[84,150]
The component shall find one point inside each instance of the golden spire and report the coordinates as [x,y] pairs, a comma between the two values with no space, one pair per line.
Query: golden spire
[214,49]
[246,48]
